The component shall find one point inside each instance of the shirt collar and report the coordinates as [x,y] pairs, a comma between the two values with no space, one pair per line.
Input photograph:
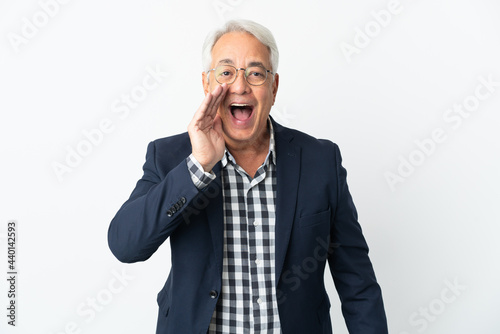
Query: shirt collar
[272,149]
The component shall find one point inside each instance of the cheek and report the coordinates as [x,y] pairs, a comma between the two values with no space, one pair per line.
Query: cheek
[266,100]
[210,86]
[221,111]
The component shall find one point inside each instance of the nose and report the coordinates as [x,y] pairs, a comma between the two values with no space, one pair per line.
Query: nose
[240,85]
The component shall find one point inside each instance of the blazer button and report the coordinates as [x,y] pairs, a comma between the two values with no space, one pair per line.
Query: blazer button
[213,294]
[183,200]
[169,213]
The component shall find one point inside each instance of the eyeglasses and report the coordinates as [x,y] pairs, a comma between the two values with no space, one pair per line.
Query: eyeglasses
[254,75]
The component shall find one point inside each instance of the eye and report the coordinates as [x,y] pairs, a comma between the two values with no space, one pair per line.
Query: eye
[225,74]
[256,74]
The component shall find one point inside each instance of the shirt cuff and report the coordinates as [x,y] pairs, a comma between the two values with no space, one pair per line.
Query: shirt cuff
[200,178]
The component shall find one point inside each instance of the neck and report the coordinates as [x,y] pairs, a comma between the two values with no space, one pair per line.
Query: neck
[258,146]
[250,156]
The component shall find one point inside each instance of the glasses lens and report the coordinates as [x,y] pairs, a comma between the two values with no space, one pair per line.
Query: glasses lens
[256,75]
[225,74]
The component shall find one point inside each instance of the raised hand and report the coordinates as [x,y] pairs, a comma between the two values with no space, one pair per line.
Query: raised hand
[205,130]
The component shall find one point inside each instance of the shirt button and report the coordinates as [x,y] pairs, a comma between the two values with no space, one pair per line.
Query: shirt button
[213,294]
[256,223]
[259,301]
[257,262]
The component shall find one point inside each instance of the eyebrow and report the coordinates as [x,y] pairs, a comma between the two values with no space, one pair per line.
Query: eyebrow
[256,63]
[225,61]
[253,63]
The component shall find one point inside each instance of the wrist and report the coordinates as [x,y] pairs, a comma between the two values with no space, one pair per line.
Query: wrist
[207,166]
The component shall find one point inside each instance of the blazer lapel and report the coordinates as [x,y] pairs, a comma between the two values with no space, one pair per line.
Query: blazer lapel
[215,215]
[287,174]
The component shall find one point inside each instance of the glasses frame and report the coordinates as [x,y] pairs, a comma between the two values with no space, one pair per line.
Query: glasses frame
[237,72]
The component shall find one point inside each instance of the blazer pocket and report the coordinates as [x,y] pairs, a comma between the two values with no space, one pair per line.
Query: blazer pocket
[315,219]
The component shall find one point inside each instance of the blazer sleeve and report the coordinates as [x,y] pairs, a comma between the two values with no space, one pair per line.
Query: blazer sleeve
[351,268]
[153,211]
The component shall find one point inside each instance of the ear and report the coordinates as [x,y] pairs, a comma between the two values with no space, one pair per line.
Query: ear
[276,82]
[204,79]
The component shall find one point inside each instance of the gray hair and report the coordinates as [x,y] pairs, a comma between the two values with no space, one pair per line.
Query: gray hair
[260,32]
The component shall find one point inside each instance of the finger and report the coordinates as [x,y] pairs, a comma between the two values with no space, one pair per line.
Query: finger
[199,115]
[205,104]
[214,94]
[217,125]
[219,95]
[218,90]
[203,118]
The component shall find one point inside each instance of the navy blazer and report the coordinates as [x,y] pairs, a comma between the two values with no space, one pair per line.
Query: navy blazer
[316,221]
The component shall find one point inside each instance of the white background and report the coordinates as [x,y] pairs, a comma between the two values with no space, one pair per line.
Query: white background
[438,227]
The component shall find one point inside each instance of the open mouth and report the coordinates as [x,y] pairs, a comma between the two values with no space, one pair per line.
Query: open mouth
[240,111]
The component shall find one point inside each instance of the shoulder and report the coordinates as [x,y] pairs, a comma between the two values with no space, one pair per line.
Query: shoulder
[303,140]
[176,143]
[178,139]
[169,151]
[316,154]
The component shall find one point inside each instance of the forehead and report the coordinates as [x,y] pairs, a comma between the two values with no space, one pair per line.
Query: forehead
[240,48]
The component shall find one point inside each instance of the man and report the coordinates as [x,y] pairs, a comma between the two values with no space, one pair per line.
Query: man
[253,210]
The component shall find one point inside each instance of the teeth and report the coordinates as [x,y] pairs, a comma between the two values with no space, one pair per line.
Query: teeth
[239,105]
